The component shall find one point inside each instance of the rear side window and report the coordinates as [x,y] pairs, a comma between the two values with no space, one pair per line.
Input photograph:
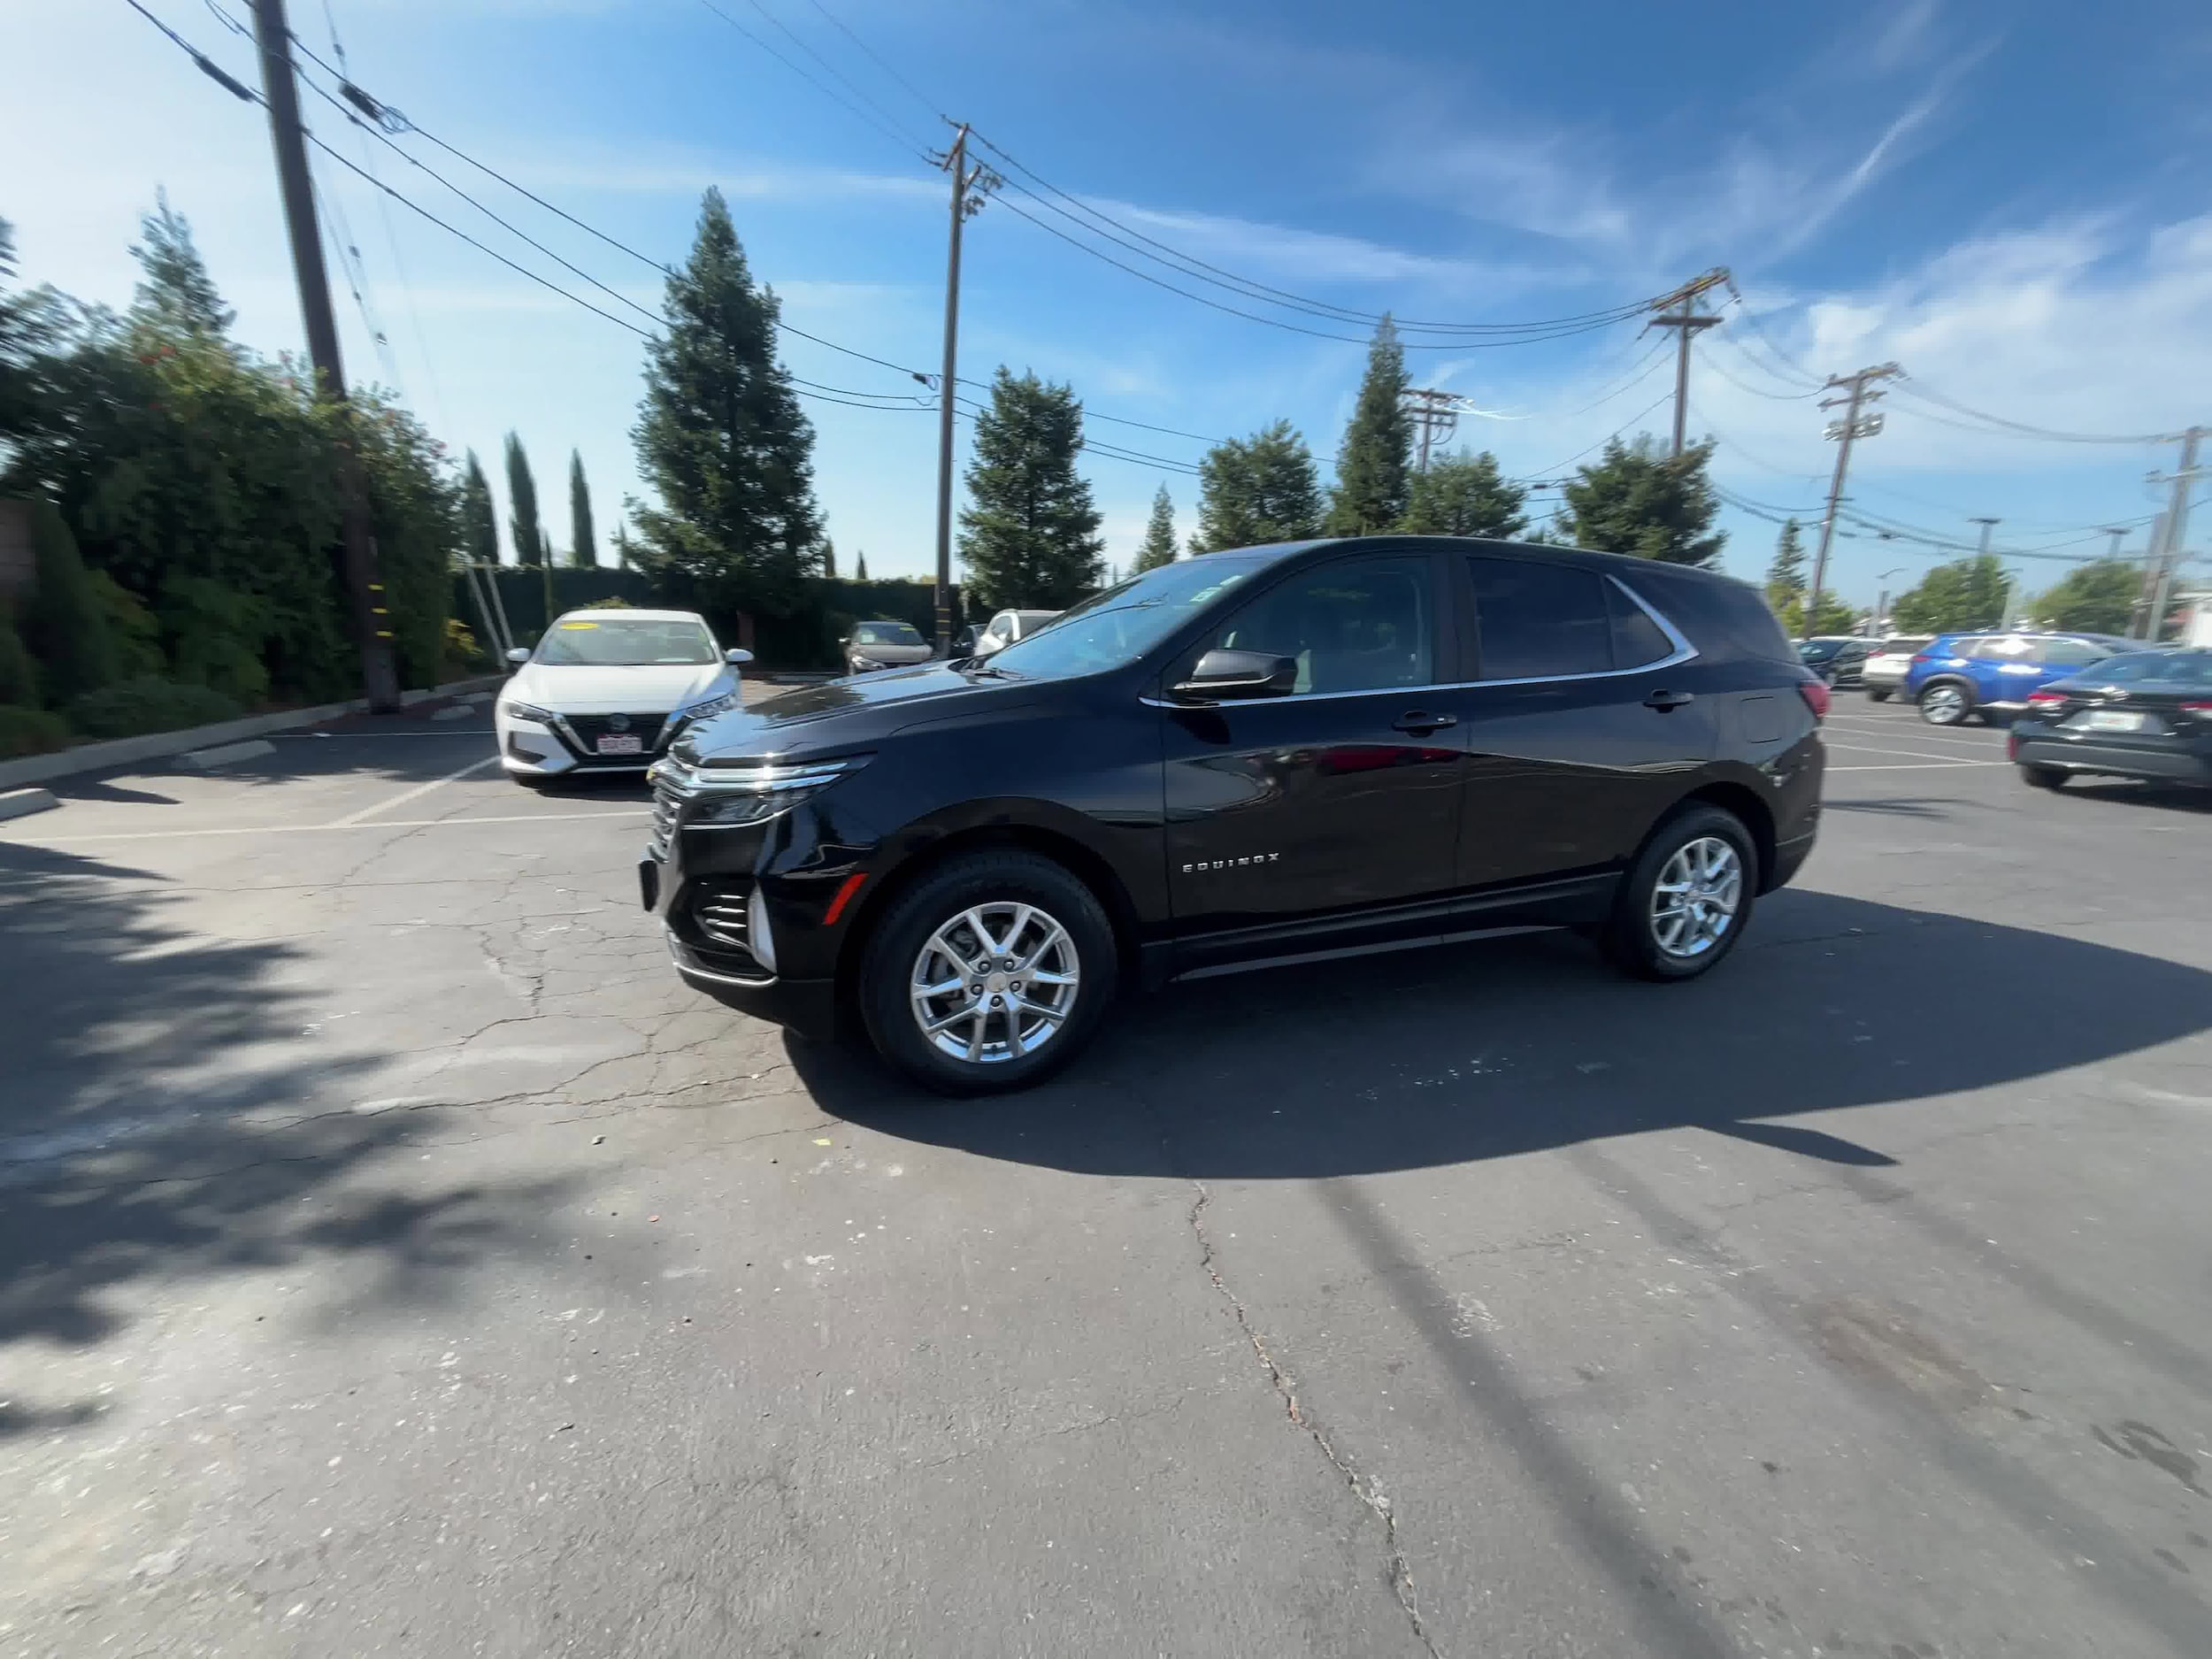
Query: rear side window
[1721,617]
[2072,653]
[1637,639]
[1540,621]
[2004,648]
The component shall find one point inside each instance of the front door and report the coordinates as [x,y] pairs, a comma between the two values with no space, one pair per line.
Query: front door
[1342,794]
[1582,725]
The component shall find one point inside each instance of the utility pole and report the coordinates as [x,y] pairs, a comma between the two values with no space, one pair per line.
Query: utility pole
[1842,431]
[2115,531]
[1436,415]
[1686,319]
[1881,600]
[372,617]
[2174,521]
[967,201]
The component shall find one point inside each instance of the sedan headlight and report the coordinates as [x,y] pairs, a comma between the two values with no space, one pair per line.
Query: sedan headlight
[529,711]
[749,794]
[712,705]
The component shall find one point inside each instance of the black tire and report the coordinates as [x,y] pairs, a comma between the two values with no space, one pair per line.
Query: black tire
[1632,936]
[1947,703]
[2044,777]
[895,948]
[1877,694]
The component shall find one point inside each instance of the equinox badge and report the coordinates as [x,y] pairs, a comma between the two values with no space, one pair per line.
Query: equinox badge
[1230,863]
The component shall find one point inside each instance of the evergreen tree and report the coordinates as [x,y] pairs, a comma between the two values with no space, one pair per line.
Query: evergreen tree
[1968,593]
[1374,462]
[29,323]
[1634,500]
[1158,547]
[522,506]
[621,546]
[479,520]
[1255,490]
[860,567]
[2098,596]
[174,290]
[1831,615]
[1030,533]
[829,559]
[65,626]
[1786,576]
[583,546]
[721,438]
[1465,495]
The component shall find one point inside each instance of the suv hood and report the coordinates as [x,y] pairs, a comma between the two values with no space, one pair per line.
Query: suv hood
[652,688]
[840,714]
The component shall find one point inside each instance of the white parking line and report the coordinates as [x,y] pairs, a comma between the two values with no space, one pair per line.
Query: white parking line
[1917,754]
[419,790]
[64,844]
[1920,766]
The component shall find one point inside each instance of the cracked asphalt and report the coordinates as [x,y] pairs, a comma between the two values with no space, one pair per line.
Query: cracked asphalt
[394,1257]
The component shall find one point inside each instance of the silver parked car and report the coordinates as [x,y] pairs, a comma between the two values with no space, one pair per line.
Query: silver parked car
[873,645]
[1008,625]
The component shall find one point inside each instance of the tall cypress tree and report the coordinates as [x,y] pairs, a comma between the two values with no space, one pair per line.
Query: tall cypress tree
[1374,462]
[583,546]
[1030,534]
[829,559]
[721,438]
[860,566]
[1158,547]
[1786,576]
[522,505]
[1252,491]
[479,520]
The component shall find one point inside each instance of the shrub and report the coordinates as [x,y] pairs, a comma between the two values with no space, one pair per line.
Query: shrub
[30,732]
[138,706]
[463,655]
[611,603]
[18,674]
[216,636]
[65,627]
[136,634]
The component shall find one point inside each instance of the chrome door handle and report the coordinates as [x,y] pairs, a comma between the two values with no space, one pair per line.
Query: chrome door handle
[1421,725]
[1664,701]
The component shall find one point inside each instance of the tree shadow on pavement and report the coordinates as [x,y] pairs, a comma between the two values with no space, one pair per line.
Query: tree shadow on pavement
[164,1122]
[1458,1054]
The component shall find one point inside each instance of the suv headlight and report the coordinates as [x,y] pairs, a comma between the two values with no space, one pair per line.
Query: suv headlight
[748,794]
[712,705]
[530,711]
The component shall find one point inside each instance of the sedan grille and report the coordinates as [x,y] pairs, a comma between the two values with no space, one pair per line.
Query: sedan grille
[589,728]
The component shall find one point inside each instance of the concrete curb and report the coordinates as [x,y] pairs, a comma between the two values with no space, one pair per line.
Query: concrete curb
[131,751]
[215,759]
[23,803]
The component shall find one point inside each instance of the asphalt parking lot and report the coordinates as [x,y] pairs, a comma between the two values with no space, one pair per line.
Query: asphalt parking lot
[394,1257]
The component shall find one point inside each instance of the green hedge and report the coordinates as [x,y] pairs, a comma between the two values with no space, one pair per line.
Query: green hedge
[31,732]
[138,706]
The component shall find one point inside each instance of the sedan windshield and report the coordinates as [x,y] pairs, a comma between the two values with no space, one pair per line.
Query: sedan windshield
[2188,671]
[886,634]
[625,642]
[1120,625]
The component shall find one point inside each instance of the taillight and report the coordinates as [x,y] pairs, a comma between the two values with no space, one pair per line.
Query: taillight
[2198,706]
[1815,694]
[2046,699]
[1922,656]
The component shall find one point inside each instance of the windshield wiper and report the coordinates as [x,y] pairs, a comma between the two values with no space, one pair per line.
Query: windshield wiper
[992,669]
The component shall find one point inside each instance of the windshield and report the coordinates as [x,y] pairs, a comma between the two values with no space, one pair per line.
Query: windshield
[1819,651]
[1120,625]
[886,634]
[2187,670]
[625,642]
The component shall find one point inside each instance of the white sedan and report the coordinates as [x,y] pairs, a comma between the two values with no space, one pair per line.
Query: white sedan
[609,690]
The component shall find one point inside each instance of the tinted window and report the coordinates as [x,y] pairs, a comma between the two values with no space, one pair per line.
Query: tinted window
[1637,639]
[2072,653]
[1535,621]
[1721,617]
[1112,628]
[1358,626]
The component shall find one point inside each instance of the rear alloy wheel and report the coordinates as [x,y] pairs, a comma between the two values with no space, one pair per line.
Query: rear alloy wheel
[1685,903]
[2044,777]
[1947,703]
[993,971]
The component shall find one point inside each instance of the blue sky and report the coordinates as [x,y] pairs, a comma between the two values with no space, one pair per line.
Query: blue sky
[2009,200]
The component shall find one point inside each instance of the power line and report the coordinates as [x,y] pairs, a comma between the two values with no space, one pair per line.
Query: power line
[1549,470]
[969,409]
[1914,388]
[879,62]
[1706,358]
[838,75]
[902,140]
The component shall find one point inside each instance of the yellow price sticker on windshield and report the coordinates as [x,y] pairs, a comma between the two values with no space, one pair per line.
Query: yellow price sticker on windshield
[579,624]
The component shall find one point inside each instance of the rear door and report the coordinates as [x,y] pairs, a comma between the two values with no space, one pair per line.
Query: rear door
[1581,721]
[1344,794]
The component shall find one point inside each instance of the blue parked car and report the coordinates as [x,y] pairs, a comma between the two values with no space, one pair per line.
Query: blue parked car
[1991,673]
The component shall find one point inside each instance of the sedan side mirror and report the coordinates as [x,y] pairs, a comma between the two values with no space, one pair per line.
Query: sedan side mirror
[739,655]
[1229,674]
[518,655]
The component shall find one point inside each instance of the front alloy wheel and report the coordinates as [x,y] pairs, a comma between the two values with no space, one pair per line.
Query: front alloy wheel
[1945,703]
[994,983]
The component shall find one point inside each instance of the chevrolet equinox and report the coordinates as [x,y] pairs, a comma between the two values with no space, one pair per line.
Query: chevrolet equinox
[1276,753]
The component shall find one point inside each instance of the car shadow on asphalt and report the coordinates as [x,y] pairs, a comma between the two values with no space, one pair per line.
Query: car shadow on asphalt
[1461,1053]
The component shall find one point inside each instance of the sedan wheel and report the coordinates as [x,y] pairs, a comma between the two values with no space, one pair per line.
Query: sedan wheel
[1946,704]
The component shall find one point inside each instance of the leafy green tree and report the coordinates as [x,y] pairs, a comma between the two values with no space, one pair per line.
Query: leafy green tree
[28,325]
[479,520]
[1831,615]
[66,631]
[174,291]
[2098,596]
[1374,463]
[860,566]
[583,546]
[1634,500]
[721,440]
[1465,494]
[1029,535]
[1968,593]
[522,505]
[1786,576]
[1255,490]
[1158,547]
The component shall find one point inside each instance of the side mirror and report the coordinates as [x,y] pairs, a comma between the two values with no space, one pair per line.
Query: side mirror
[1230,674]
[518,655]
[739,655]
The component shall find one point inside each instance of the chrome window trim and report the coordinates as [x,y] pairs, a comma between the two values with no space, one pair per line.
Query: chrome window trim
[1683,652]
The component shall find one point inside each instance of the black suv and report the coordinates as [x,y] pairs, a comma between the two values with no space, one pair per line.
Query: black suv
[1273,755]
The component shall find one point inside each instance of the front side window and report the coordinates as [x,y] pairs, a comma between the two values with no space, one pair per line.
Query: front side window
[1117,627]
[614,643]
[1363,625]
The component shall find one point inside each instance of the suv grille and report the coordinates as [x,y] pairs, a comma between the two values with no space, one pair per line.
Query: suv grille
[589,728]
[667,807]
